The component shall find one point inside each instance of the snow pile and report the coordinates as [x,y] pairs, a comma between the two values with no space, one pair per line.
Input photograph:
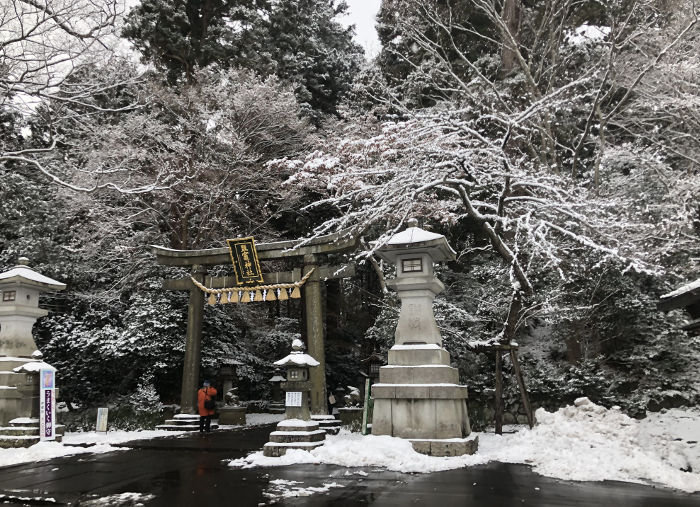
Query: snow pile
[94,443]
[46,450]
[354,450]
[585,442]
[588,442]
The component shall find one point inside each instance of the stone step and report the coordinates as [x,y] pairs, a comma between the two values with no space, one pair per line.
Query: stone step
[272,449]
[276,408]
[26,424]
[297,436]
[328,423]
[19,431]
[297,425]
[446,447]
[24,421]
[12,442]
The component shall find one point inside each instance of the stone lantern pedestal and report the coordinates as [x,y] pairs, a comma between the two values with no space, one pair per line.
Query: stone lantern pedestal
[20,361]
[297,430]
[418,396]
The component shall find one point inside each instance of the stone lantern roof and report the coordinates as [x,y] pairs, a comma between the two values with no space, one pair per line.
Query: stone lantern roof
[23,275]
[297,357]
[417,240]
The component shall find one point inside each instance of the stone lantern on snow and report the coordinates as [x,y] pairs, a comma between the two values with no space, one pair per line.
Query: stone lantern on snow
[20,361]
[277,403]
[418,396]
[297,431]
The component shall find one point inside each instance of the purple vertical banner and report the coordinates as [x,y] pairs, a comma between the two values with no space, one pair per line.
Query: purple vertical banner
[47,404]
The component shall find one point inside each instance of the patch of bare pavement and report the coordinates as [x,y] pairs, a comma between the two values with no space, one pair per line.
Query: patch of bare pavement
[193,471]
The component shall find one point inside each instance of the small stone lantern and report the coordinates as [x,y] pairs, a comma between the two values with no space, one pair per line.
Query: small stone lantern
[231,413]
[297,431]
[227,373]
[277,403]
[372,365]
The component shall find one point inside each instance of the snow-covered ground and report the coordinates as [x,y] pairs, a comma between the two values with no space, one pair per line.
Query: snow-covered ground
[585,442]
[102,442]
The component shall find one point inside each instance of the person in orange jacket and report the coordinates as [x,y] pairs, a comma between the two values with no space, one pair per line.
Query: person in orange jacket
[205,393]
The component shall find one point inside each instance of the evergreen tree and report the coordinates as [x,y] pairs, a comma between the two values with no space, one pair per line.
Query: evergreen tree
[298,40]
[180,35]
[313,50]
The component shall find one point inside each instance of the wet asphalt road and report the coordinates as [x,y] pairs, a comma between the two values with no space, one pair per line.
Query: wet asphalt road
[191,471]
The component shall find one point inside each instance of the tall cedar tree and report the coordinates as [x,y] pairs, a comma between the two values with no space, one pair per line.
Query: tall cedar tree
[297,40]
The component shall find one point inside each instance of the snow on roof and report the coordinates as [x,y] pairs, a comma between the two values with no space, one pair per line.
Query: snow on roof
[33,366]
[413,235]
[297,358]
[682,290]
[25,273]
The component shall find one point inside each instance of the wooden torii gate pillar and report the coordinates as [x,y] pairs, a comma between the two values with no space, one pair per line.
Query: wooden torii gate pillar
[308,251]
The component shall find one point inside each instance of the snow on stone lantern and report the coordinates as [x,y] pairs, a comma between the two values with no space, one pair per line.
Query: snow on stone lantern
[297,430]
[418,396]
[19,308]
[20,361]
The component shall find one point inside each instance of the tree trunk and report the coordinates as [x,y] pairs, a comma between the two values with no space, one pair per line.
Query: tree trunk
[511,17]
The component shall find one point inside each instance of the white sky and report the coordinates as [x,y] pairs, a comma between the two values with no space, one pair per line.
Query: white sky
[362,14]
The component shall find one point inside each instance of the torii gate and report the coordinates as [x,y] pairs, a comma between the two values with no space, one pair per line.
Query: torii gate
[308,250]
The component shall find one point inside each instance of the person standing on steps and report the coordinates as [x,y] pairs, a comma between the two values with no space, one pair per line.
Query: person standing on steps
[206,404]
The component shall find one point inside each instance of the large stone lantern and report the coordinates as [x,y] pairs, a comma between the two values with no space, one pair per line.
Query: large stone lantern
[297,431]
[20,361]
[418,396]
[19,307]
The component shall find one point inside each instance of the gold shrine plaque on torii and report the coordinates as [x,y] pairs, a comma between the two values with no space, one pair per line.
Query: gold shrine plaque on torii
[245,260]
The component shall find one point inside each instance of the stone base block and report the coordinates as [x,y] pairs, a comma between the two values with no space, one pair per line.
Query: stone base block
[289,437]
[421,418]
[294,434]
[351,418]
[446,447]
[416,355]
[233,416]
[275,450]
[426,374]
